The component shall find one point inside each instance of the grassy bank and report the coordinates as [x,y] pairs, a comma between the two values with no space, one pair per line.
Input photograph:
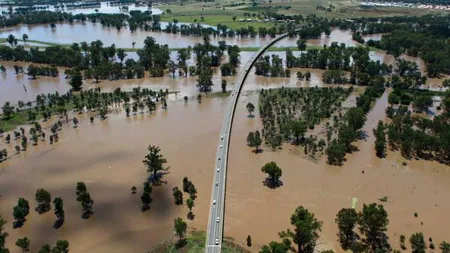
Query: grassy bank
[19,119]
[196,244]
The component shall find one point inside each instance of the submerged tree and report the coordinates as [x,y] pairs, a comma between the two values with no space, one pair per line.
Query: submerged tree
[274,172]
[177,195]
[254,140]
[76,81]
[346,220]
[154,161]
[44,199]
[180,228]
[3,236]
[418,244]
[190,205]
[306,231]
[85,199]
[23,244]
[250,108]
[59,212]
[145,197]
[20,212]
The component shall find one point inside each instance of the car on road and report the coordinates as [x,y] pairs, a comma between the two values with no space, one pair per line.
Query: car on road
[220,146]
[217,183]
[218,220]
[219,158]
[214,202]
[218,169]
[217,241]
[221,137]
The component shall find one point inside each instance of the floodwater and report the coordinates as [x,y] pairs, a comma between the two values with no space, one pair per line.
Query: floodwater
[11,85]
[104,8]
[107,156]
[66,33]
[253,209]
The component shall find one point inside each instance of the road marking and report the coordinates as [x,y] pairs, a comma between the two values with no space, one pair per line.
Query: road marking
[213,246]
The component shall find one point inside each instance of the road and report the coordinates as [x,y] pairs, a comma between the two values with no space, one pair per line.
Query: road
[214,233]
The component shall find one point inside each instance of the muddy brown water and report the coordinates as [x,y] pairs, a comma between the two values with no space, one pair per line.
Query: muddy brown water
[11,85]
[66,33]
[107,156]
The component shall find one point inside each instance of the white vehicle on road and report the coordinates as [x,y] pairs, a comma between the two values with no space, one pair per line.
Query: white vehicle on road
[218,169]
[217,241]
[214,202]
[217,183]
[218,220]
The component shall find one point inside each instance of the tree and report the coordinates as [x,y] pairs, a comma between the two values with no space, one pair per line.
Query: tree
[59,212]
[20,212]
[24,244]
[180,228]
[76,81]
[421,103]
[346,220]
[62,246]
[274,172]
[24,37]
[307,75]
[356,118]
[172,68]
[177,195]
[335,153]
[33,71]
[85,199]
[250,108]
[380,141]
[373,221]
[155,162]
[3,236]
[298,128]
[418,244]
[249,241]
[190,205]
[145,197]
[444,246]
[10,39]
[301,44]
[254,140]
[275,247]
[224,85]
[75,122]
[8,110]
[45,249]
[306,231]
[121,54]
[43,198]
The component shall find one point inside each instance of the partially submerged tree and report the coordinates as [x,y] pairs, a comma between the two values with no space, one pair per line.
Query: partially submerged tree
[154,161]
[180,228]
[274,172]
[306,230]
[177,195]
[23,244]
[20,212]
[59,212]
[44,199]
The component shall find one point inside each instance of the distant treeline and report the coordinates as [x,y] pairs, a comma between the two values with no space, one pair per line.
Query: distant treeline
[58,2]
[434,2]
